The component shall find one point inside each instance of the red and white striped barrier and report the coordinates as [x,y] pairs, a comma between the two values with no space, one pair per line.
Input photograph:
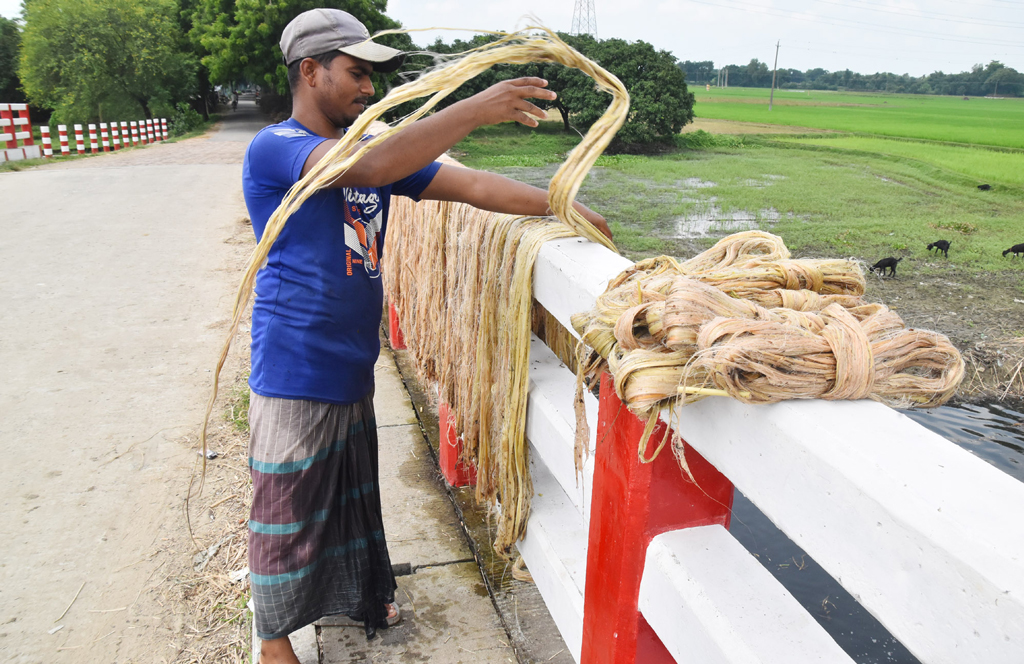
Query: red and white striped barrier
[62,134]
[636,563]
[15,130]
[16,135]
[47,146]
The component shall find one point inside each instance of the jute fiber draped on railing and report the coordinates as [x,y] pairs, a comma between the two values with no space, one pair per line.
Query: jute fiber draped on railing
[744,320]
[509,246]
[462,280]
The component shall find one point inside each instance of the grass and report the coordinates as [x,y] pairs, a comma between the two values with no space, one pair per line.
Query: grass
[237,412]
[854,199]
[980,121]
[980,165]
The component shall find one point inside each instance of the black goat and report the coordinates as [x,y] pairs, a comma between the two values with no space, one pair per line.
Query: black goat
[984,187]
[941,245]
[886,263]
[1016,250]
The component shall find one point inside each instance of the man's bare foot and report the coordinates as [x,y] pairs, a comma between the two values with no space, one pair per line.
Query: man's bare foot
[277,651]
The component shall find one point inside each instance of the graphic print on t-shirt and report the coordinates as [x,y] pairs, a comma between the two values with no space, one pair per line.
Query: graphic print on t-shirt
[363,218]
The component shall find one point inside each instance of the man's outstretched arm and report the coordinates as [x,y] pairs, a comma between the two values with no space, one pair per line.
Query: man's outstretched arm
[425,140]
[497,193]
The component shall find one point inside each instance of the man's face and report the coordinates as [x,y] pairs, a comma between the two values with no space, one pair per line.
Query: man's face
[345,89]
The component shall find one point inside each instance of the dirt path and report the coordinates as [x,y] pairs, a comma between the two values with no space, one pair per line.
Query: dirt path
[117,276]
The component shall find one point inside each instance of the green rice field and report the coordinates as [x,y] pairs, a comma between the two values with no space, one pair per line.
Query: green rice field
[976,164]
[979,121]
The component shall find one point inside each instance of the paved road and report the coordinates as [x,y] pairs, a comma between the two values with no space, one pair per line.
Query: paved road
[117,275]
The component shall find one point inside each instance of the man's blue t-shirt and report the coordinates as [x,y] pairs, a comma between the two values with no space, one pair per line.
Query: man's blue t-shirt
[319,299]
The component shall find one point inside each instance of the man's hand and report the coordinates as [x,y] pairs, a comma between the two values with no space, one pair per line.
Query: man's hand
[594,218]
[507,101]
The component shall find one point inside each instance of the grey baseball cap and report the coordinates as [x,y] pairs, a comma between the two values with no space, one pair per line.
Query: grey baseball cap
[323,30]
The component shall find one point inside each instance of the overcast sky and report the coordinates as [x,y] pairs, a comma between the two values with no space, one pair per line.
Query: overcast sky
[902,36]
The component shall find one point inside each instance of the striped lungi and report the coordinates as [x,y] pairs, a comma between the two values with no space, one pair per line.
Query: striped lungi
[316,537]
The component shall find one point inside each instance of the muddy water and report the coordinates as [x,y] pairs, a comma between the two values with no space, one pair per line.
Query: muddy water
[992,432]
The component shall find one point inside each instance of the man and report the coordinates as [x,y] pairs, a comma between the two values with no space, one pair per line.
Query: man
[316,540]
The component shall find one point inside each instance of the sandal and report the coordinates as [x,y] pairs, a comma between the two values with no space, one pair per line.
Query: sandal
[341,620]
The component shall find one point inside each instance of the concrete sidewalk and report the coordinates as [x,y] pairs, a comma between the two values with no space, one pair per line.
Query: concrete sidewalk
[447,612]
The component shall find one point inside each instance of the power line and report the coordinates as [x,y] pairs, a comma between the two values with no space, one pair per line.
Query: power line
[931,16]
[876,28]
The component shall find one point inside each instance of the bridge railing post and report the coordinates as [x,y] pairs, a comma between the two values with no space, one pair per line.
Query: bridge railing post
[633,502]
[456,471]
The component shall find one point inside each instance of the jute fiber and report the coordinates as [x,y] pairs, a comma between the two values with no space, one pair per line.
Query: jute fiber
[745,320]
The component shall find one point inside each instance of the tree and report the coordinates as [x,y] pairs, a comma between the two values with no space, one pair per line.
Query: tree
[10,44]
[660,101]
[698,72]
[1006,75]
[242,37]
[84,57]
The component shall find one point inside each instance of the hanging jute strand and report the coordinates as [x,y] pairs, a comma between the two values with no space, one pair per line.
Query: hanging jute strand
[499,253]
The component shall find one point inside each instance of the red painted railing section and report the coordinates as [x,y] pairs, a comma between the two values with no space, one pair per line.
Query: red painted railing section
[395,329]
[456,471]
[632,503]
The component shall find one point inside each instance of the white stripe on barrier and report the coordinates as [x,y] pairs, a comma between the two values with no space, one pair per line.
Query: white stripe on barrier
[21,121]
[551,418]
[918,531]
[18,154]
[555,550]
[23,135]
[5,122]
[6,137]
[712,602]
[47,145]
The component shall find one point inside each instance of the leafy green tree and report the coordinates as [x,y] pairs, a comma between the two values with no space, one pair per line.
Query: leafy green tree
[10,44]
[241,37]
[699,72]
[661,103]
[89,57]
[1008,76]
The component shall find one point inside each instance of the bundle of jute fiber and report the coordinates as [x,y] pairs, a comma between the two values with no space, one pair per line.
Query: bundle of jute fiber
[671,334]
[466,320]
[491,398]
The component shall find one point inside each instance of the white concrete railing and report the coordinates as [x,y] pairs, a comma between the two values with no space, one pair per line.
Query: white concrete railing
[925,535]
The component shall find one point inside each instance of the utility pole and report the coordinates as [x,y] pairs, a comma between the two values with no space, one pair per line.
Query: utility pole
[775,68]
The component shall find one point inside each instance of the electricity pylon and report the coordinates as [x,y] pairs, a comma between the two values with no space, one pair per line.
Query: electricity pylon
[584,19]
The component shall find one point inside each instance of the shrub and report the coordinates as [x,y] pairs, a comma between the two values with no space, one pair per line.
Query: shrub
[184,120]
